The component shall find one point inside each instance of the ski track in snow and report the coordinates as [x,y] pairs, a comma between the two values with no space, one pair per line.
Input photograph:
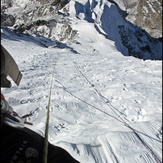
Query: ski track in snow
[103,105]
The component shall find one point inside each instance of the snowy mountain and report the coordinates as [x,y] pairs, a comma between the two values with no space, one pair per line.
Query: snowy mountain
[113,19]
[106,106]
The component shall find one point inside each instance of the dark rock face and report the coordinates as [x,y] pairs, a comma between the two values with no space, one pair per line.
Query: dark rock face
[149,16]
[144,13]
[7,20]
[140,44]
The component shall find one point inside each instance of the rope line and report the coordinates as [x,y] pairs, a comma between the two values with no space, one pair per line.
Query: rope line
[45,150]
[156,157]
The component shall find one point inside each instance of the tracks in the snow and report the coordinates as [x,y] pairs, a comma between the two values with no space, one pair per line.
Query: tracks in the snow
[117,114]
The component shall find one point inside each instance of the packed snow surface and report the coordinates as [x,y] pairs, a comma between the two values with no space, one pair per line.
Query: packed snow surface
[105,107]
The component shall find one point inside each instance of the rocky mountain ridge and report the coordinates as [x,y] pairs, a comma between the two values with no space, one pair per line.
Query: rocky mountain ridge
[51,19]
[144,13]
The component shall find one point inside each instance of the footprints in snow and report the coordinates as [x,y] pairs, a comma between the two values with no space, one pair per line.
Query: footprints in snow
[58,128]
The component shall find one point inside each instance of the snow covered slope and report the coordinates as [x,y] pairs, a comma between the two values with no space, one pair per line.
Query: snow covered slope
[105,107]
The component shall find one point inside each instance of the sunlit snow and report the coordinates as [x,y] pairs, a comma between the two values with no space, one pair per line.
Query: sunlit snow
[105,107]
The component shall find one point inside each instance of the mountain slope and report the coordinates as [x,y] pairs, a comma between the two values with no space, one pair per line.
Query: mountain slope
[55,20]
[105,107]
[145,13]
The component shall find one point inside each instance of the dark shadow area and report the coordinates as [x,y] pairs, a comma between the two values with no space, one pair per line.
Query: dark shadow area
[39,40]
[84,9]
[129,39]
